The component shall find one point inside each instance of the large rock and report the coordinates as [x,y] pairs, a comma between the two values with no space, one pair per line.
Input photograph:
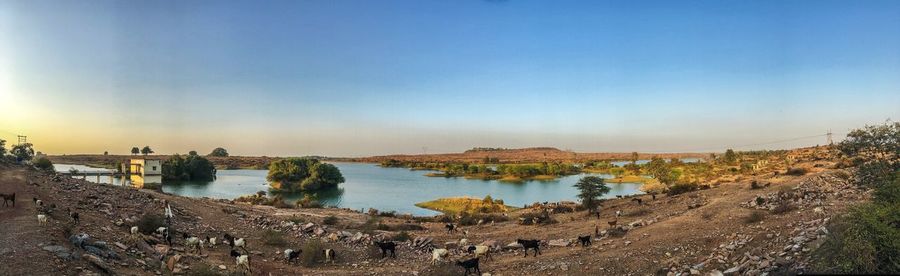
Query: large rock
[559,242]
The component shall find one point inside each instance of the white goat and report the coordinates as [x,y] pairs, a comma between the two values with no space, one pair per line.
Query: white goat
[240,243]
[161,230]
[134,230]
[193,242]
[481,250]
[438,255]
[42,219]
[329,255]
[243,261]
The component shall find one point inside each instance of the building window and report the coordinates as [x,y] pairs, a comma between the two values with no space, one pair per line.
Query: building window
[154,168]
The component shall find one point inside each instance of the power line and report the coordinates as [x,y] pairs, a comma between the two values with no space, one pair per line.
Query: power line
[829,135]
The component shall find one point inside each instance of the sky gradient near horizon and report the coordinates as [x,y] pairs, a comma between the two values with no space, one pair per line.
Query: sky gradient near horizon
[358,78]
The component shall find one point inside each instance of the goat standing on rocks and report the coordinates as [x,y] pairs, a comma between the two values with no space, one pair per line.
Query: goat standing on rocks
[329,255]
[471,264]
[585,240]
[290,254]
[73,215]
[387,246]
[533,244]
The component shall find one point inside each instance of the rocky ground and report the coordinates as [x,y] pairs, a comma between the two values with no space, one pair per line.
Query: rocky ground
[703,232]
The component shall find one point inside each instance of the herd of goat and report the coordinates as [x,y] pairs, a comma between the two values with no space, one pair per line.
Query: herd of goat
[242,258]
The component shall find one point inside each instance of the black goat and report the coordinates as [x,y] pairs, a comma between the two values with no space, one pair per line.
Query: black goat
[291,254]
[450,227]
[329,255]
[9,197]
[229,239]
[585,240]
[387,246]
[73,215]
[533,244]
[234,254]
[470,264]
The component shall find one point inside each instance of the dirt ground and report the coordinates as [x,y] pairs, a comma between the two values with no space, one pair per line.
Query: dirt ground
[697,232]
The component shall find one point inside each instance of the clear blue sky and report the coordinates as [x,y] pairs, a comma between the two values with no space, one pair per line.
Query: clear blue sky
[358,78]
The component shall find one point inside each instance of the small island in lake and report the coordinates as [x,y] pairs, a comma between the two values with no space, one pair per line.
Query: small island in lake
[471,205]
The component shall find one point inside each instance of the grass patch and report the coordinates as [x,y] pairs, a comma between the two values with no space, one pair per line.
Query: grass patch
[312,253]
[272,237]
[148,223]
[796,171]
[783,207]
[402,236]
[330,220]
[639,212]
[754,217]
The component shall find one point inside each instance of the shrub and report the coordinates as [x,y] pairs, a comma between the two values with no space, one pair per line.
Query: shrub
[755,185]
[278,202]
[783,207]
[796,171]
[308,202]
[863,242]
[638,212]
[272,237]
[681,188]
[148,223]
[760,201]
[542,218]
[312,253]
[43,164]
[330,220]
[754,217]
[402,236]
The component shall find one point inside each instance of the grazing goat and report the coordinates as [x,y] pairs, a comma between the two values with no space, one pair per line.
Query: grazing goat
[585,240]
[290,254]
[229,240]
[211,241]
[480,250]
[162,230]
[653,196]
[463,242]
[37,202]
[329,255]
[450,227]
[42,219]
[9,197]
[243,262]
[73,215]
[438,254]
[596,230]
[618,196]
[533,244]
[241,243]
[387,246]
[638,200]
[471,264]
[234,254]
[618,213]
[612,223]
[134,230]
[192,243]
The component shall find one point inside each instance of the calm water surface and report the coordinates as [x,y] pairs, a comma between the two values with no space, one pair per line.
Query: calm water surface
[396,189]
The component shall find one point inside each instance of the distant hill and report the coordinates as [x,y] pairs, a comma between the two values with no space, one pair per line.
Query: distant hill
[523,155]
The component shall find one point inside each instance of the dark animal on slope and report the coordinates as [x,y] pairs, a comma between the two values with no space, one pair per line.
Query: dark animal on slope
[471,264]
[450,227]
[612,223]
[533,244]
[638,200]
[9,197]
[234,254]
[385,247]
[585,240]
[229,240]
[73,215]
[618,196]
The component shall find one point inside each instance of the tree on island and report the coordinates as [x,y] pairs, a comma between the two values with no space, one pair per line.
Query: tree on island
[193,152]
[135,151]
[303,174]
[193,167]
[590,189]
[662,171]
[219,152]
[146,150]
[730,157]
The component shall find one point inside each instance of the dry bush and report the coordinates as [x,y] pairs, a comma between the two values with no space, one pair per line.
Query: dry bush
[639,212]
[312,253]
[796,171]
[330,220]
[272,237]
[783,207]
[148,223]
[754,217]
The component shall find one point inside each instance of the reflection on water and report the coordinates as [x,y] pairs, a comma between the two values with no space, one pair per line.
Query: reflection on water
[386,189]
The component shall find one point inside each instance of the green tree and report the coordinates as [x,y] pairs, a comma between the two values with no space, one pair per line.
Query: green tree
[879,142]
[22,151]
[105,153]
[2,148]
[193,167]
[146,150]
[662,171]
[590,189]
[193,152]
[487,200]
[730,157]
[219,152]
[298,174]
[634,158]
[135,151]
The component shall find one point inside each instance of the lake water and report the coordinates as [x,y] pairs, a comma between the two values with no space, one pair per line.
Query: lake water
[386,189]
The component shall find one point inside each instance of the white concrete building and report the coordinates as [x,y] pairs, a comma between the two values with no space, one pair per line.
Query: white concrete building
[144,167]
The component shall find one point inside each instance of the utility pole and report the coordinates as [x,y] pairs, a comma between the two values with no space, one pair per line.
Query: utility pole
[424,150]
[22,139]
[830,142]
